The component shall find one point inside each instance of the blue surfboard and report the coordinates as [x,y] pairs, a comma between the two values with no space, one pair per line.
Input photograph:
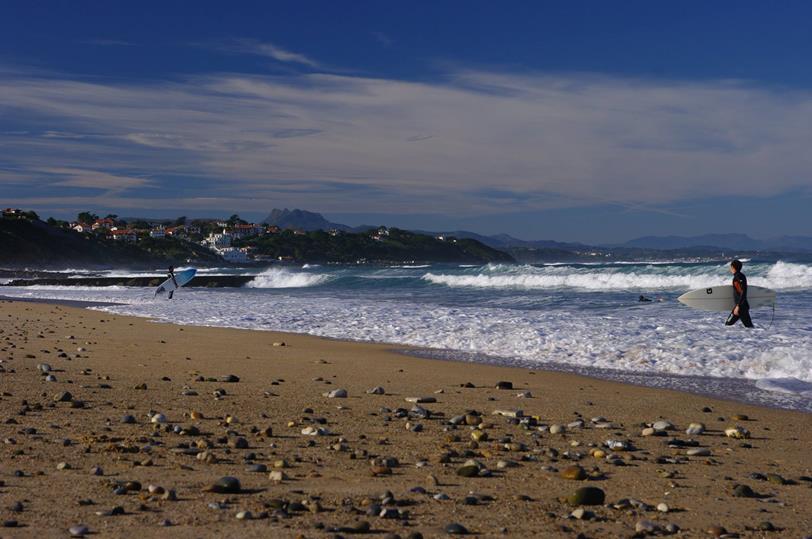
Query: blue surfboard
[181,278]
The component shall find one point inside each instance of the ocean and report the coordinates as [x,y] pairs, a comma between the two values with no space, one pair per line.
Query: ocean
[583,318]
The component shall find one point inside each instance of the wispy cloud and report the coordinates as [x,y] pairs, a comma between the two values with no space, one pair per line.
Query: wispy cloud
[457,145]
[264,48]
[383,39]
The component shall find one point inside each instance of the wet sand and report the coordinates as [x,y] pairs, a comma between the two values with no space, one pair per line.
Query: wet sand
[380,464]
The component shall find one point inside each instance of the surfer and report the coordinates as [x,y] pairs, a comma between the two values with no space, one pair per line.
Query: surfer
[741,311]
[644,299]
[172,276]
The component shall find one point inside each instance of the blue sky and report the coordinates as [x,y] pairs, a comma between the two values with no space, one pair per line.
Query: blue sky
[588,121]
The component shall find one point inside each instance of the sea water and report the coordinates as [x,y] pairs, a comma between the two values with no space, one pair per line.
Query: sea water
[584,318]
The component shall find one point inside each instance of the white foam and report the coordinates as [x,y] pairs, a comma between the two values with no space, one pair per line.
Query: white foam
[283,278]
[778,276]
[559,327]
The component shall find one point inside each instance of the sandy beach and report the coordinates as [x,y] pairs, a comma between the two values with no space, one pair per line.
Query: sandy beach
[112,424]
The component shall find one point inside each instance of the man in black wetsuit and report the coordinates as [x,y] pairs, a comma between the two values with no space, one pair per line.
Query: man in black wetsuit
[742,309]
[172,276]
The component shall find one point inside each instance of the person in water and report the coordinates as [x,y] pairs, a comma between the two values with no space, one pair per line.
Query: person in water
[172,276]
[742,309]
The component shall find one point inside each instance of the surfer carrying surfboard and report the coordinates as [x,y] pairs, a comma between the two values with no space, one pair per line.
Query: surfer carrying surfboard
[741,311]
[171,275]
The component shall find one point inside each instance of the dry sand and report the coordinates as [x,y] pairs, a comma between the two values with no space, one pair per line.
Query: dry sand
[329,486]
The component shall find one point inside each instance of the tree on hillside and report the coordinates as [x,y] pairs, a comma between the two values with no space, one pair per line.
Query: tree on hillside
[180,221]
[235,220]
[86,217]
[140,225]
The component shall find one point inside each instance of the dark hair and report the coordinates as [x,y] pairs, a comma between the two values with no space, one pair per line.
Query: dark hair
[737,264]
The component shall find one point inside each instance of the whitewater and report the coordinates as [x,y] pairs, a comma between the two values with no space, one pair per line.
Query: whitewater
[580,317]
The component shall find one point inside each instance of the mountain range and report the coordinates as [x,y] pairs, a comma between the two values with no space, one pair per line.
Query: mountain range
[723,241]
[305,220]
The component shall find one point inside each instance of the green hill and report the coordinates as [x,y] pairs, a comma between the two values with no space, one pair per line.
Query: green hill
[396,246]
[27,242]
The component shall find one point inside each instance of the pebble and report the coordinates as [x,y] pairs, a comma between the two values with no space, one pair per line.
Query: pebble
[377,390]
[78,531]
[744,491]
[64,396]
[238,443]
[421,400]
[226,485]
[230,378]
[575,473]
[645,526]
[336,394]
[695,429]
[158,418]
[456,529]
[257,468]
[662,425]
[587,496]
[717,531]
[315,431]
[663,508]
[63,466]
[617,445]
[777,479]
[277,476]
[698,452]
[737,432]
[244,515]
[556,429]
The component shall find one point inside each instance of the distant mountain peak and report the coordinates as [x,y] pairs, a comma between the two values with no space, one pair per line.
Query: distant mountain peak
[301,220]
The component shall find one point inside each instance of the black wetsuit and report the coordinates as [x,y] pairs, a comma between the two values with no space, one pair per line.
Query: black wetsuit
[172,276]
[740,296]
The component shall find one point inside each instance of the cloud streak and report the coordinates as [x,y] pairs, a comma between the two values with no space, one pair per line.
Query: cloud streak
[264,48]
[454,145]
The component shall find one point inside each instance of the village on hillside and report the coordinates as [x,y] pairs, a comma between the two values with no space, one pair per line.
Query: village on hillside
[219,236]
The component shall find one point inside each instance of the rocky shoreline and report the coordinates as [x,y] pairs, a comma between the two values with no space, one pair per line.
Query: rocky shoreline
[113,424]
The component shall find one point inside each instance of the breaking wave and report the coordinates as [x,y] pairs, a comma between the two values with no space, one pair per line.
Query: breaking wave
[282,278]
[780,275]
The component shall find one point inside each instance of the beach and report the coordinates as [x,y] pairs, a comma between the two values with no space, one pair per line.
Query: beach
[142,419]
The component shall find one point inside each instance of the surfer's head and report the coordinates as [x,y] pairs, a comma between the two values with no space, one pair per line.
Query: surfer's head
[171,269]
[735,266]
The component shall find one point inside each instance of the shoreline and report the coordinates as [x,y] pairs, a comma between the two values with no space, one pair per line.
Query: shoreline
[743,390]
[119,368]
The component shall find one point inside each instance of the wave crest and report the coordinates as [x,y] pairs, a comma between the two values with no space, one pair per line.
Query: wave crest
[781,275]
[282,278]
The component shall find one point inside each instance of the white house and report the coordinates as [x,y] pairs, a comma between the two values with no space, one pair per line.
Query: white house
[218,241]
[123,235]
[235,256]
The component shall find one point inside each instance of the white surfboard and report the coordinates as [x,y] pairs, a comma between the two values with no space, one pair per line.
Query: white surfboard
[181,278]
[720,298]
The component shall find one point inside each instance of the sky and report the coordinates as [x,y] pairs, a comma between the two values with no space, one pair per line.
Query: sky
[576,121]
